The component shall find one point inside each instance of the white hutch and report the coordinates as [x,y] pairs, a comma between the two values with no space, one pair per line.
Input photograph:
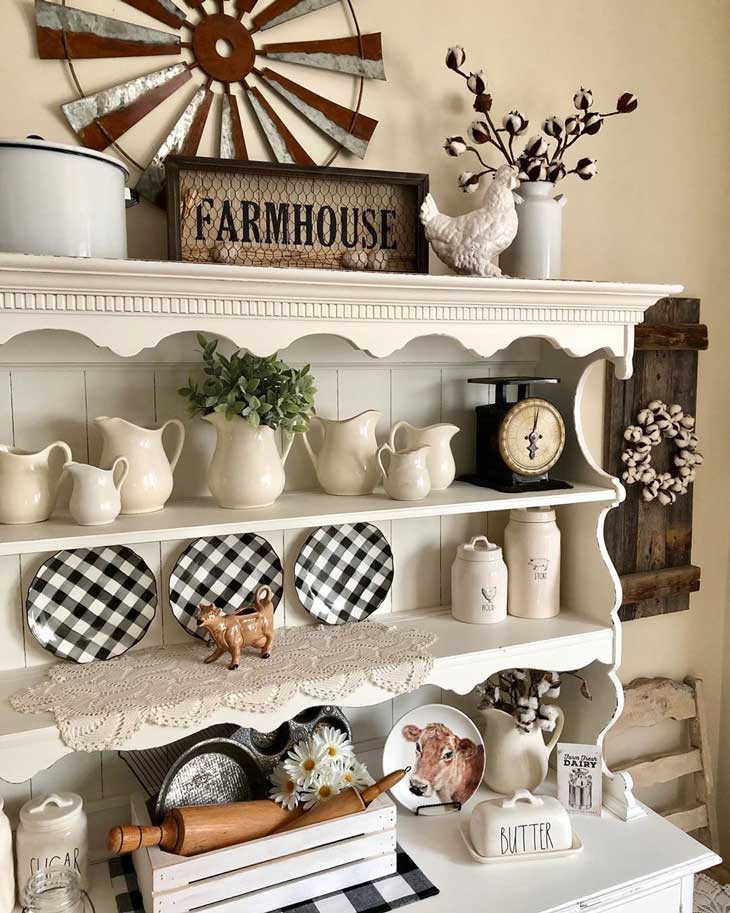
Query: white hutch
[80,338]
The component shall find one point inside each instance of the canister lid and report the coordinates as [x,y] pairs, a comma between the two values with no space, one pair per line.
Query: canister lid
[533,515]
[479,549]
[47,813]
[36,143]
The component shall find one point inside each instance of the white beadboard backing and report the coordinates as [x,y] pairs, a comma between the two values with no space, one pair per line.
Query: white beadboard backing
[40,402]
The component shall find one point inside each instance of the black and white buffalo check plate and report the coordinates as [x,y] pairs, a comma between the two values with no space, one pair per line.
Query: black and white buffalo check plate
[225,571]
[91,603]
[344,573]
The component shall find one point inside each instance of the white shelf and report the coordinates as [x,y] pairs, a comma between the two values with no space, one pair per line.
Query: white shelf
[619,862]
[464,656]
[293,510]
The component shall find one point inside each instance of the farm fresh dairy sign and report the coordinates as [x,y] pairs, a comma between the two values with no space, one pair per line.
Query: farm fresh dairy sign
[283,215]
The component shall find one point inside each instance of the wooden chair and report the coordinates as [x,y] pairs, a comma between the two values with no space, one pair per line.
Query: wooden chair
[649,701]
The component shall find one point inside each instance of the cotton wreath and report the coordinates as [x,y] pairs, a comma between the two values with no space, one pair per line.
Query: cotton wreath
[655,423]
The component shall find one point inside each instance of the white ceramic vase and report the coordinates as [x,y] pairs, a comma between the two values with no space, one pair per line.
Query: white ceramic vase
[515,759]
[440,460]
[407,477]
[246,469]
[28,483]
[95,496]
[536,251]
[149,482]
[7,870]
[346,463]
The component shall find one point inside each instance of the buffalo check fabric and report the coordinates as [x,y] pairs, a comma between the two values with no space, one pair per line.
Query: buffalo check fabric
[91,604]
[406,886]
[225,571]
[344,573]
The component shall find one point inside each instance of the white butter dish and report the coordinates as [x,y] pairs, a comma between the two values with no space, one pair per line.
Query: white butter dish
[519,826]
[576,847]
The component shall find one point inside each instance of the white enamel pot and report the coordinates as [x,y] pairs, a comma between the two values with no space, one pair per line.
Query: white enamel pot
[63,201]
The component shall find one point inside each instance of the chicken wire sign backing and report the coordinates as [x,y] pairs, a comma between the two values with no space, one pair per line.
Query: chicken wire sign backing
[262,214]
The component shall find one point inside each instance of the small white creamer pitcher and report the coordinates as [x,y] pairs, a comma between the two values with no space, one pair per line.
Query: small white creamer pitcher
[149,482]
[406,478]
[28,488]
[441,466]
[346,463]
[95,496]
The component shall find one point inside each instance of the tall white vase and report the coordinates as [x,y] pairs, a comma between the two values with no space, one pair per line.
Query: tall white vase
[536,251]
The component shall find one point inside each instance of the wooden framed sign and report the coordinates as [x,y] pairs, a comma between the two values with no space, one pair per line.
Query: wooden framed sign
[262,214]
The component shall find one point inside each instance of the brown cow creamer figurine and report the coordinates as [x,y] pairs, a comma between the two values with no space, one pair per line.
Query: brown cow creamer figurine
[447,765]
[244,628]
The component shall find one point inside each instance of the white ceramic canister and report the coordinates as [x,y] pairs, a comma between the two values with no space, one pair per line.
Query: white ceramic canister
[532,550]
[479,583]
[7,877]
[52,832]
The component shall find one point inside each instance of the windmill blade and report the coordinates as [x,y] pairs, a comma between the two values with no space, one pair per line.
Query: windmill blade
[102,118]
[88,35]
[152,180]
[343,55]
[162,10]
[200,116]
[232,145]
[244,6]
[283,10]
[285,148]
[351,130]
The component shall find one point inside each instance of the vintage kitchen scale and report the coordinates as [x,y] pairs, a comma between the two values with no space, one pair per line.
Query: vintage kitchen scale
[517,441]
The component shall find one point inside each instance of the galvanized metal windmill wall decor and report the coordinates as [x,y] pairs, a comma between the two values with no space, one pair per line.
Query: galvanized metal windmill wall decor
[220,54]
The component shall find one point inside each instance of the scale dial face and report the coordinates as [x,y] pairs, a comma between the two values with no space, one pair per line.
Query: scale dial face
[531,437]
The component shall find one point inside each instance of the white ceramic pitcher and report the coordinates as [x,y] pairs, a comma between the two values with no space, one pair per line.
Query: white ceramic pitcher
[246,469]
[95,496]
[406,478]
[27,489]
[440,460]
[516,759]
[347,461]
[149,482]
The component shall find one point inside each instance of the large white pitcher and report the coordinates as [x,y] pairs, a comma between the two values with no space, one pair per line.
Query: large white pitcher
[516,759]
[437,438]
[346,463]
[246,469]
[27,489]
[149,482]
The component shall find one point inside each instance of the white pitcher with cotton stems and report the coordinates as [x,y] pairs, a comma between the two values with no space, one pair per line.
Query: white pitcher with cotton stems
[149,482]
[346,463]
[516,759]
[246,469]
[406,478]
[437,438]
[28,486]
[95,496]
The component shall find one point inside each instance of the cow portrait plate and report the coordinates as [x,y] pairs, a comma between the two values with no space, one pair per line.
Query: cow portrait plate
[445,753]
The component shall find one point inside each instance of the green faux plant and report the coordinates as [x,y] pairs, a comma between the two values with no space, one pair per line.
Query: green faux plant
[264,391]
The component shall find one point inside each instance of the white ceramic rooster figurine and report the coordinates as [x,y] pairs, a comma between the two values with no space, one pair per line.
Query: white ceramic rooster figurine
[470,243]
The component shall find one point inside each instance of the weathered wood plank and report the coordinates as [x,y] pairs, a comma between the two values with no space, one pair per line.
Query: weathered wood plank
[648,701]
[669,581]
[673,337]
[662,768]
[646,537]
[688,819]
[705,781]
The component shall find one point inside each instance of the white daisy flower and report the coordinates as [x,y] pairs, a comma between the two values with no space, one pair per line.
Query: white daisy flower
[354,774]
[326,783]
[303,761]
[284,790]
[334,743]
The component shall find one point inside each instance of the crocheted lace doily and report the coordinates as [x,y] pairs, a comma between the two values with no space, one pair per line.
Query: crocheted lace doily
[100,706]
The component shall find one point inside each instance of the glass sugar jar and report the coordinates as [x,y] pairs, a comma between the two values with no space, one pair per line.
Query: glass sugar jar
[56,889]
[532,551]
[52,832]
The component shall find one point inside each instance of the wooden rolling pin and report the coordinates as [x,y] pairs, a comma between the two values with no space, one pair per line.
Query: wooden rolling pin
[203,828]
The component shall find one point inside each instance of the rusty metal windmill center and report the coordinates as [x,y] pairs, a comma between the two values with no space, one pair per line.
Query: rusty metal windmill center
[231,67]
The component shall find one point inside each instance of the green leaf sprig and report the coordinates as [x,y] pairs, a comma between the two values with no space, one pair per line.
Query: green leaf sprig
[264,391]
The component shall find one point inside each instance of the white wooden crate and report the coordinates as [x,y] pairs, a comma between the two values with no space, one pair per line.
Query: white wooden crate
[271,872]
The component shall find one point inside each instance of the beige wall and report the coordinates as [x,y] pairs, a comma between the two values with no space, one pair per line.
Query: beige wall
[657,212]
